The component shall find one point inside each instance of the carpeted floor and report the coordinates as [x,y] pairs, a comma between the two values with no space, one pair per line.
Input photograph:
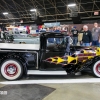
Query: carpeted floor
[25,92]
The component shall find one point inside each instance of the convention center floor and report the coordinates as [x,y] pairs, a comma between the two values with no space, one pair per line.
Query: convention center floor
[66,91]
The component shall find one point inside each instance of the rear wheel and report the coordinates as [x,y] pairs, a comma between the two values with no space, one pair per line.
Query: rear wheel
[96,68]
[11,69]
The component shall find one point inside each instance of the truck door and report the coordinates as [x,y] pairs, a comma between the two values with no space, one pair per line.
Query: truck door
[53,56]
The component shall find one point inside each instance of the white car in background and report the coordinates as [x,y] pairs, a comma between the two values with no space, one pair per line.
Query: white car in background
[26,39]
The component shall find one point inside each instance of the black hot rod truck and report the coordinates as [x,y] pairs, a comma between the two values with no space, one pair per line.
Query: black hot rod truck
[58,58]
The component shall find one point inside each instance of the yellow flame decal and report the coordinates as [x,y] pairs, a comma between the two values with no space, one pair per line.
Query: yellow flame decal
[60,60]
[70,59]
[53,59]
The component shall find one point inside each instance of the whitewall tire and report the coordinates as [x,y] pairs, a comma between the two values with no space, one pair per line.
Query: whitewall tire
[11,69]
[96,68]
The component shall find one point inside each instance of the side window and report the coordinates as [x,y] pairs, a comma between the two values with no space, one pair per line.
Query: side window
[56,42]
[50,40]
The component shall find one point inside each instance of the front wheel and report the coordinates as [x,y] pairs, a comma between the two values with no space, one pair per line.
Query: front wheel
[96,68]
[11,69]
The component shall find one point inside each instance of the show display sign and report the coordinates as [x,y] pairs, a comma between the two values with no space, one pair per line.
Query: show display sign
[52,24]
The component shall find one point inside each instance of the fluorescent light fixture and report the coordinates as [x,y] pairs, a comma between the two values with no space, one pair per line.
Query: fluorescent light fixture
[33,10]
[5,13]
[71,5]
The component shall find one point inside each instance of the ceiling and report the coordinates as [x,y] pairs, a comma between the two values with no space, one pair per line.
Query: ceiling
[48,10]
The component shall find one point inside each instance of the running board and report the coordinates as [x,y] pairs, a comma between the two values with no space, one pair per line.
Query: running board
[37,72]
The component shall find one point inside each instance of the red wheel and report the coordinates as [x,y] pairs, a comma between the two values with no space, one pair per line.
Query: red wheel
[11,69]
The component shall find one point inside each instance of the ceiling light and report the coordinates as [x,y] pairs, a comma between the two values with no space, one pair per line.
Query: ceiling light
[5,13]
[71,5]
[96,13]
[33,10]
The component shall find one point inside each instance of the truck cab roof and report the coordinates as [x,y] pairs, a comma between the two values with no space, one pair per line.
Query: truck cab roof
[53,34]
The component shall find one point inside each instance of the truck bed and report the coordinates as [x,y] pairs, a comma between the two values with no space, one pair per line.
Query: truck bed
[12,46]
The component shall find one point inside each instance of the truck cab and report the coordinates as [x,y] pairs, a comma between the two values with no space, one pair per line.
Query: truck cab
[53,49]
